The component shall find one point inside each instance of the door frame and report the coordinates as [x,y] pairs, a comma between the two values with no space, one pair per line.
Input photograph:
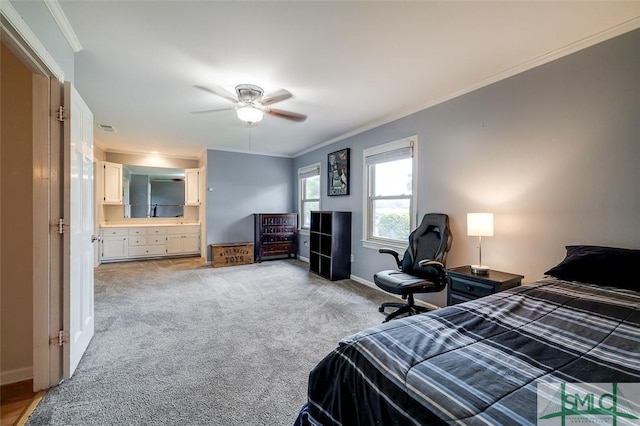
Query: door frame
[47,190]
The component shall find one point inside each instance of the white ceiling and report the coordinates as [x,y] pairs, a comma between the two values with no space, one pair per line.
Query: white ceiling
[349,65]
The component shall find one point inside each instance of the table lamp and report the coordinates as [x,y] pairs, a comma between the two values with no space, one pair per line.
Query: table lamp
[480,225]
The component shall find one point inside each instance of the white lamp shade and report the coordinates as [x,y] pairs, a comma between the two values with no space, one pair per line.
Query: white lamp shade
[480,224]
[249,114]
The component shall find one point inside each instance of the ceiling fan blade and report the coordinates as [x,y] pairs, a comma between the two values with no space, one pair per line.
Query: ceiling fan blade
[274,97]
[218,91]
[212,110]
[287,115]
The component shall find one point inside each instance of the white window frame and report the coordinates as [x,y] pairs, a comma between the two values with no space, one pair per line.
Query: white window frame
[376,243]
[304,173]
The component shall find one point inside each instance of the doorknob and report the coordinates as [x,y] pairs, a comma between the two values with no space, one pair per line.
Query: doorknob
[94,238]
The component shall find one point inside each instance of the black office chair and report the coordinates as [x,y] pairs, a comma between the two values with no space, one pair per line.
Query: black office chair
[422,268]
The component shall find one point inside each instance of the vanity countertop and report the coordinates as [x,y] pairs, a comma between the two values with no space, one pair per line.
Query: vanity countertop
[137,224]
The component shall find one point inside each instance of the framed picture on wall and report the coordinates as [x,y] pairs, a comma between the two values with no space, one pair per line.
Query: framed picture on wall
[338,172]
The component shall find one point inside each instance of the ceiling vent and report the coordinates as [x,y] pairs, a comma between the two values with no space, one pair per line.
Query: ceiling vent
[107,128]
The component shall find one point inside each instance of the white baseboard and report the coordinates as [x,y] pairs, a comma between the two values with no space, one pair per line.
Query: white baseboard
[375,287]
[366,282]
[16,375]
[304,259]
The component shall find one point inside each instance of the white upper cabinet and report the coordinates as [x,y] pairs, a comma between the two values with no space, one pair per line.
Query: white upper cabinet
[192,187]
[111,185]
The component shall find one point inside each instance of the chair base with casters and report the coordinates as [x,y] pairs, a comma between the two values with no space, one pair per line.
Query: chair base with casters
[405,285]
[409,308]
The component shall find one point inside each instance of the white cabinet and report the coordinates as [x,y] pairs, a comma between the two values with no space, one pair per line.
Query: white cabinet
[115,243]
[137,231]
[192,187]
[137,242]
[147,250]
[147,241]
[183,244]
[183,240]
[191,244]
[110,184]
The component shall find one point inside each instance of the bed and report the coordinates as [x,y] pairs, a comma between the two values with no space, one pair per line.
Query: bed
[483,361]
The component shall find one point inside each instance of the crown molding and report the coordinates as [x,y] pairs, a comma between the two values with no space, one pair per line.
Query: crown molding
[63,24]
[586,42]
[250,152]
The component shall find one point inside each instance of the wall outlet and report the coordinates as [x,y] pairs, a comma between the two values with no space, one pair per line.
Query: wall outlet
[351,258]
[306,243]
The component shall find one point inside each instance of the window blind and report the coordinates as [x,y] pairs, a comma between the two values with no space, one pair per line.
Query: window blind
[392,155]
[307,172]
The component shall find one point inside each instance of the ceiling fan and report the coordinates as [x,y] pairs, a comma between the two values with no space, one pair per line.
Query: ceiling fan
[251,103]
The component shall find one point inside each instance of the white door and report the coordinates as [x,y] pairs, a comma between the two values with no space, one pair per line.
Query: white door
[78,308]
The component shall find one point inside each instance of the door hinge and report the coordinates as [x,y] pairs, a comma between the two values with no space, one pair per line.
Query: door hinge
[61,339]
[61,113]
[61,226]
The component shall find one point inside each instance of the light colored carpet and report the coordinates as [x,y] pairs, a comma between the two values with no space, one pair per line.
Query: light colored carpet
[181,343]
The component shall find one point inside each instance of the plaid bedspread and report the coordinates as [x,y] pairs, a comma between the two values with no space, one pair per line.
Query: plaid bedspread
[479,362]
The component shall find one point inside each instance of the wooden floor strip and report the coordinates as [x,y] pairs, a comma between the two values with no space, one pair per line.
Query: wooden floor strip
[29,409]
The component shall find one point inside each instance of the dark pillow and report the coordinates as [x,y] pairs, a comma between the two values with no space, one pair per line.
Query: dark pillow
[607,266]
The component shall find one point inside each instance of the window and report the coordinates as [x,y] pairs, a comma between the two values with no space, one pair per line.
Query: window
[309,178]
[389,198]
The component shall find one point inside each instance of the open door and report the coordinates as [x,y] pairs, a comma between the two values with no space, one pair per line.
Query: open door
[78,293]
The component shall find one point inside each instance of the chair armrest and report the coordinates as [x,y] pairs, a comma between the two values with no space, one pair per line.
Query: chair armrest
[393,253]
[442,272]
[429,262]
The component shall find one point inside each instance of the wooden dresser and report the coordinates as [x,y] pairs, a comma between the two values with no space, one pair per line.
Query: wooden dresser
[275,234]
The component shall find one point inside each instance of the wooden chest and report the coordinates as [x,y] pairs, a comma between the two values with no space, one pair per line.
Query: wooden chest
[231,254]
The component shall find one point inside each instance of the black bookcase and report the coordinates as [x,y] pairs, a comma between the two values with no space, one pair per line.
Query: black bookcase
[330,244]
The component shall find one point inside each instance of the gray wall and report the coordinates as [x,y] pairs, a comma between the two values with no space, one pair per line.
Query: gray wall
[138,195]
[553,152]
[36,14]
[239,185]
[170,198]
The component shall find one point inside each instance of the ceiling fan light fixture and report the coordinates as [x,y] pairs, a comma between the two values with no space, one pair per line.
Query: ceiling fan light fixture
[249,114]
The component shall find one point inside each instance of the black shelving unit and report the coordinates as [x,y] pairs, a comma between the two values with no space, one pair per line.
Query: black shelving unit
[330,244]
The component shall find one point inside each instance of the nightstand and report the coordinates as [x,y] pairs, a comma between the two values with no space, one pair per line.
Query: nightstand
[464,285]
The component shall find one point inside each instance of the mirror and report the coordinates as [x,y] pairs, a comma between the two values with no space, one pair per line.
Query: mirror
[153,192]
